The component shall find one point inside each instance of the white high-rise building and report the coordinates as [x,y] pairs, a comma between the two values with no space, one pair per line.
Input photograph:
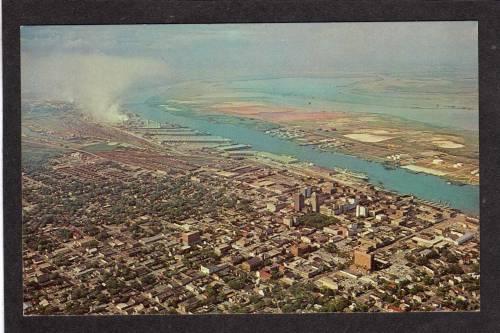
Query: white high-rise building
[361,211]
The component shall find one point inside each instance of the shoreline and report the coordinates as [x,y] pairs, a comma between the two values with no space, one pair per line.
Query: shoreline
[246,120]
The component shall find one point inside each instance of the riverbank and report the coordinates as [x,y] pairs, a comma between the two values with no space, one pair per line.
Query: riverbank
[379,139]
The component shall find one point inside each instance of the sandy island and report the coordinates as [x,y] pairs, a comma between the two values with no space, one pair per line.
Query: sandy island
[447,144]
[365,137]
[430,171]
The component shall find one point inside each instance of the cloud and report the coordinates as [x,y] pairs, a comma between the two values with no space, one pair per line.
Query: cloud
[97,83]
[96,63]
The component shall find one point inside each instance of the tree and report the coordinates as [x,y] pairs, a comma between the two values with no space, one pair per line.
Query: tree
[103,235]
[327,291]
[317,220]
[451,258]
[91,230]
[236,284]
[102,299]
[331,248]
[454,269]
[361,307]
[337,305]
[148,279]
[422,261]
[461,304]
[388,298]
[428,280]
[417,289]
[64,233]
[77,293]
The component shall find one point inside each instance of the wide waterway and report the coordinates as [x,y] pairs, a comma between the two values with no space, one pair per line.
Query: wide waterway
[427,187]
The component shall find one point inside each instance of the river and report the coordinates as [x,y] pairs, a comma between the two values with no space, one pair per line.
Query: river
[427,187]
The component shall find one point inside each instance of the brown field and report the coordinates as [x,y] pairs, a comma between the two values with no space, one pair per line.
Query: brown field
[279,115]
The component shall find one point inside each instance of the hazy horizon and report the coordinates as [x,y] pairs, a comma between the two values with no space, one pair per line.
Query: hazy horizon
[96,66]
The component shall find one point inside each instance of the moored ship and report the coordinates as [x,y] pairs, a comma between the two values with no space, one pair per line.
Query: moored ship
[358,175]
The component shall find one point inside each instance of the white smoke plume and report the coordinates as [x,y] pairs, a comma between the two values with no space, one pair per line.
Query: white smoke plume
[96,83]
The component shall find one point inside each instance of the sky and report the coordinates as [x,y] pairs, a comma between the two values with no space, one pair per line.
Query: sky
[233,50]
[97,64]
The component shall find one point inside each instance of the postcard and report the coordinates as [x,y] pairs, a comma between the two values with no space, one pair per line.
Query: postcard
[261,168]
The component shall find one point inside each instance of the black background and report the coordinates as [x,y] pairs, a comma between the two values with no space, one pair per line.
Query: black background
[24,12]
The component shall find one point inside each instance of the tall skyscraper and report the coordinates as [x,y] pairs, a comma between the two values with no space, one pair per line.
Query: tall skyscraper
[315,202]
[307,191]
[361,211]
[298,199]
